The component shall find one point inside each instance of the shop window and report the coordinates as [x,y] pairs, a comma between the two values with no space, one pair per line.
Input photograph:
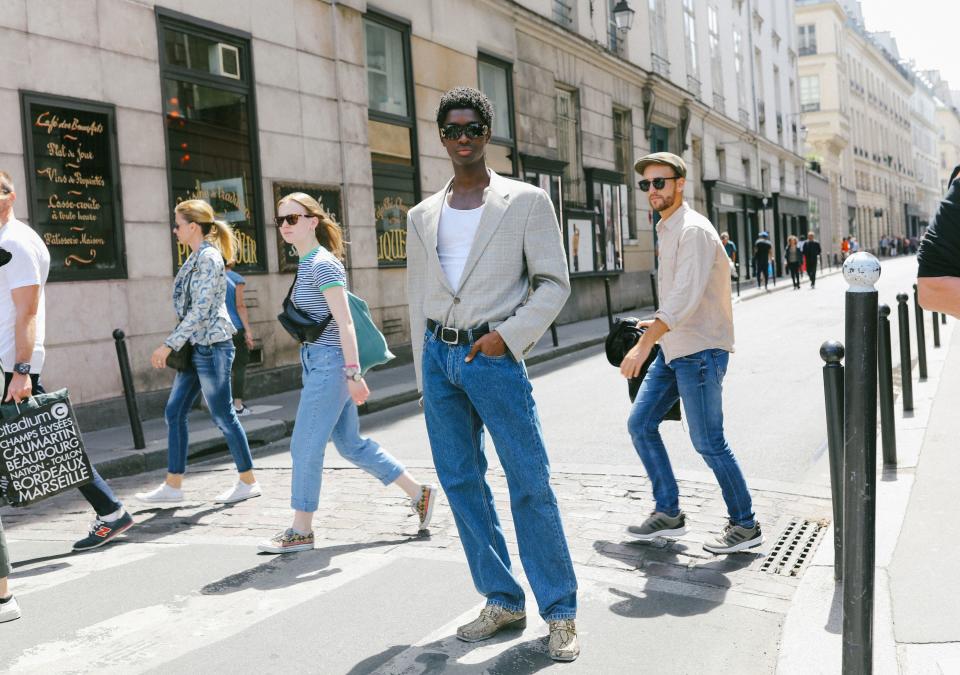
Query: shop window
[392,135]
[210,120]
[609,202]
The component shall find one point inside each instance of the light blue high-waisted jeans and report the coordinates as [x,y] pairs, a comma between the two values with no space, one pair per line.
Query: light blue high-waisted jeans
[326,412]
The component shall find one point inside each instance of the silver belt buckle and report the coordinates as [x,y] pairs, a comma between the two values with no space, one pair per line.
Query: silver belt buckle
[444,332]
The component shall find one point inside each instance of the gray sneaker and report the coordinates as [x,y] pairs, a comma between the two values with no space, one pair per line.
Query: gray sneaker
[660,525]
[735,538]
[564,643]
[492,620]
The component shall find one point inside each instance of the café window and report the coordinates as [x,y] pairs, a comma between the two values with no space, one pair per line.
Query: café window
[210,119]
[391,129]
[496,82]
[609,200]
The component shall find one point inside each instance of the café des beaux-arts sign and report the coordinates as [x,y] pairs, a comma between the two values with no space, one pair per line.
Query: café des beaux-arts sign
[74,185]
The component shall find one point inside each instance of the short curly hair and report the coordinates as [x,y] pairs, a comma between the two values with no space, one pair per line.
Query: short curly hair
[466,97]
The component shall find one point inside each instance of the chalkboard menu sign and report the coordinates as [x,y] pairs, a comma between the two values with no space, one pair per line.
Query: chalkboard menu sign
[74,205]
[329,198]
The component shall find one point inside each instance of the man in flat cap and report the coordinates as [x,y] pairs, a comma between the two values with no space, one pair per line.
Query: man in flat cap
[694,327]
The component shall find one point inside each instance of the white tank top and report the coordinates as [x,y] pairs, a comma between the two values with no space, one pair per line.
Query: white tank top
[455,237]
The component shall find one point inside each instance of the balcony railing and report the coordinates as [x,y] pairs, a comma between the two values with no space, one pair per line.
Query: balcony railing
[719,103]
[744,117]
[693,85]
[660,65]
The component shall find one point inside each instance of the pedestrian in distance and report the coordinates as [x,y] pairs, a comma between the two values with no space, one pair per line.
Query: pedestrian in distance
[793,257]
[486,276]
[242,339]
[23,279]
[333,384]
[762,257]
[205,329]
[694,327]
[811,257]
[938,260]
[844,248]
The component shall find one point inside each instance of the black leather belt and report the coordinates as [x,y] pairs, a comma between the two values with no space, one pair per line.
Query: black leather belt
[454,336]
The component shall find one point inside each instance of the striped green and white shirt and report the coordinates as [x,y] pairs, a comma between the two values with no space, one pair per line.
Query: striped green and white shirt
[318,271]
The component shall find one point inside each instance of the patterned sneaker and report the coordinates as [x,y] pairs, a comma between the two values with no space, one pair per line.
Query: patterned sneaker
[423,506]
[9,610]
[288,541]
[564,643]
[102,532]
[492,620]
[243,411]
[735,538]
[239,493]
[659,525]
[163,494]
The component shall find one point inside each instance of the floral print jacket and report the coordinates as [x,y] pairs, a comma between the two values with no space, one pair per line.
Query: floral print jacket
[199,298]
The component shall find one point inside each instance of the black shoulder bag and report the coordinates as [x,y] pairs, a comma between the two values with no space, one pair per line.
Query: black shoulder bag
[300,326]
[623,336]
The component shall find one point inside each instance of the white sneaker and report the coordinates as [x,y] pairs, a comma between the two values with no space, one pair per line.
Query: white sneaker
[9,610]
[238,493]
[163,494]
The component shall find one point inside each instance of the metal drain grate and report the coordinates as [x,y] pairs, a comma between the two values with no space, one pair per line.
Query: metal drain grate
[793,550]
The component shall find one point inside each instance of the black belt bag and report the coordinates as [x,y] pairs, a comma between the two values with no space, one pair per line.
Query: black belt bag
[455,336]
[300,326]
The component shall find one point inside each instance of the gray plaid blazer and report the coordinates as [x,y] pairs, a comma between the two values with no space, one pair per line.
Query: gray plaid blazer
[515,277]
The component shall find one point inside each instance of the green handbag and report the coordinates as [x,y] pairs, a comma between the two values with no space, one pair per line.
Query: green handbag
[371,344]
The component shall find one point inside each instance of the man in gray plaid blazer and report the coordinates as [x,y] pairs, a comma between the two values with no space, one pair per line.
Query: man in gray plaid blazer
[486,276]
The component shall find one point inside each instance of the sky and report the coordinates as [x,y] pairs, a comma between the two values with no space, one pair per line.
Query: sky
[926,31]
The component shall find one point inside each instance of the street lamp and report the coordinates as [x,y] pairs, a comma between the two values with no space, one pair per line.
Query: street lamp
[623,15]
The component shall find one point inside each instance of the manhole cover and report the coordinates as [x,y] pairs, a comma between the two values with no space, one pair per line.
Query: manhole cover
[794,548]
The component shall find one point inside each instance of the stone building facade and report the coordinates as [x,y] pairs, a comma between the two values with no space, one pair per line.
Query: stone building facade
[240,102]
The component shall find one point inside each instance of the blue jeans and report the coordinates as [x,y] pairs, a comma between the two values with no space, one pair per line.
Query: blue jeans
[697,379]
[211,375]
[459,399]
[326,412]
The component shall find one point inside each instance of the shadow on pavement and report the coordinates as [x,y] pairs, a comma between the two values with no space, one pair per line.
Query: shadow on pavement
[441,656]
[163,522]
[291,568]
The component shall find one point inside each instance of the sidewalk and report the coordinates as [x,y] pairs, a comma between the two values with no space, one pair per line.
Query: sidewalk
[916,613]
[111,450]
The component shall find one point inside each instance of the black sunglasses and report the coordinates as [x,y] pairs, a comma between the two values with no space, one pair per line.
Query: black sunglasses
[658,183]
[292,219]
[453,132]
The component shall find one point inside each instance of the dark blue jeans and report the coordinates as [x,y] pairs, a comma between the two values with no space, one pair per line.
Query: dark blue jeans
[697,379]
[459,399]
[97,492]
[211,376]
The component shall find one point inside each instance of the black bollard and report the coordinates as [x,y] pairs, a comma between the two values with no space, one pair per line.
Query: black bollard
[653,289]
[129,393]
[861,271]
[831,352]
[888,433]
[921,335]
[553,335]
[936,330]
[606,292]
[906,361]
[943,319]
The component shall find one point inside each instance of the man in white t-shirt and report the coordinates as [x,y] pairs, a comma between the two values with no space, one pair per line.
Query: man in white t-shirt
[22,328]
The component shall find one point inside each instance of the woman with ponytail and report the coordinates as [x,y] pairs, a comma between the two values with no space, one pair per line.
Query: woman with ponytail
[199,298]
[333,384]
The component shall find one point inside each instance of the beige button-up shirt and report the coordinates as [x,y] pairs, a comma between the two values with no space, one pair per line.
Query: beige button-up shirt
[694,283]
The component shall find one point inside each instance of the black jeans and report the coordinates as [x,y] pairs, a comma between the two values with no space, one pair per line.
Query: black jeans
[238,372]
[762,268]
[795,273]
[97,492]
[812,272]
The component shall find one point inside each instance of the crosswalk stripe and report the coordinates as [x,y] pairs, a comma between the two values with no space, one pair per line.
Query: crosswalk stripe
[146,638]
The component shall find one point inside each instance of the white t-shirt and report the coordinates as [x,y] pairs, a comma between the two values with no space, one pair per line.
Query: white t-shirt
[455,238]
[28,266]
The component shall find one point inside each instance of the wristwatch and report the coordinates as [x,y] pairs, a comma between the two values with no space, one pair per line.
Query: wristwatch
[21,368]
[353,373]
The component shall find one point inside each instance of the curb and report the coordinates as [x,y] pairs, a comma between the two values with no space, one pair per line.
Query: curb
[154,456]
